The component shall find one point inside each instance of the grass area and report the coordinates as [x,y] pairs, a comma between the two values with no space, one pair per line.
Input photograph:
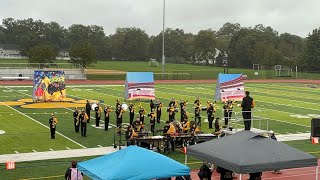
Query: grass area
[172,71]
[285,107]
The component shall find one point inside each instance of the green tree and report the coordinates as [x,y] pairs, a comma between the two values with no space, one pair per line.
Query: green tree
[130,44]
[83,53]
[42,54]
[311,60]
[205,45]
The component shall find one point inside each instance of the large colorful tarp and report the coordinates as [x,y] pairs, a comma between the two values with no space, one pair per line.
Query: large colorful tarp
[139,85]
[229,86]
[49,86]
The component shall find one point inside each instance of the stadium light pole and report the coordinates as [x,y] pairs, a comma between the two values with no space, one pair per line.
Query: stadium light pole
[163,26]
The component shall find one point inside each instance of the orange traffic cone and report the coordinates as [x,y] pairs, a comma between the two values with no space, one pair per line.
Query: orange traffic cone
[315,140]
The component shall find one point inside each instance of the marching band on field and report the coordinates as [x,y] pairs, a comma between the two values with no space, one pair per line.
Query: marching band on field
[81,117]
[138,126]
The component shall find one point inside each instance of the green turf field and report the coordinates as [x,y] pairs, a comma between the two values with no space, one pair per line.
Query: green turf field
[286,107]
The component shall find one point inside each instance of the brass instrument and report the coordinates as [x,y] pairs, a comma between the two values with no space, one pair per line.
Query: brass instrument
[120,113]
[99,111]
[54,122]
[108,110]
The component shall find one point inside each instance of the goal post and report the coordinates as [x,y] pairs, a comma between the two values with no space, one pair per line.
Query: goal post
[153,63]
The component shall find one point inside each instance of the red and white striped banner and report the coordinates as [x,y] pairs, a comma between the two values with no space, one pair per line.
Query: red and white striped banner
[10,165]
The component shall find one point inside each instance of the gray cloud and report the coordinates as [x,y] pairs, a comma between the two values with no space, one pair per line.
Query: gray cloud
[293,16]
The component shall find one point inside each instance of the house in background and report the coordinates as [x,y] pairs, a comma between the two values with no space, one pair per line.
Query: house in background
[10,51]
[63,54]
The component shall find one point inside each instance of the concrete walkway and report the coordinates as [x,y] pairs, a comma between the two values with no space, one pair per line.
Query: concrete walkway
[34,156]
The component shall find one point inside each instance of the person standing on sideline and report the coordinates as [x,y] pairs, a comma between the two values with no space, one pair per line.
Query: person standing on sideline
[53,121]
[73,173]
[107,111]
[88,109]
[247,104]
[75,120]
[273,136]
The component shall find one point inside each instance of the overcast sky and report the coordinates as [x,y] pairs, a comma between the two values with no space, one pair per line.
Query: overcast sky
[294,16]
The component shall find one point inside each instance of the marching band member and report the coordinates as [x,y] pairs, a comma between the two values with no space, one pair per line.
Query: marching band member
[159,108]
[131,112]
[152,105]
[142,112]
[83,119]
[210,113]
[173,103]
[98,111]
[138,125]
[197,101]
[117,103]
[228,106]
[217,125]
[130,135]
[119,114]
[171,112]
[183,106]
[53,121]
[152,116]
[88,109]
[107,111]
[197,110]
[172,129]
[185,125]
[75,119]
[194,128]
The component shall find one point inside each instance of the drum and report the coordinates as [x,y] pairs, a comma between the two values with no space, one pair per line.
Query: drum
[177,125]
[124,107]
[94,105]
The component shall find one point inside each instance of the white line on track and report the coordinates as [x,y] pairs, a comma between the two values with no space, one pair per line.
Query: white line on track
[68,148]
[50,149]
[16,152]
[34,150]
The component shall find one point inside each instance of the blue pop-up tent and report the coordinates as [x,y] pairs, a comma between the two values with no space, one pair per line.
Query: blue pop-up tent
[132,163]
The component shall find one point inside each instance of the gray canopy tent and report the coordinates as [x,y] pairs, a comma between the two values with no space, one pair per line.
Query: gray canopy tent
[248,152]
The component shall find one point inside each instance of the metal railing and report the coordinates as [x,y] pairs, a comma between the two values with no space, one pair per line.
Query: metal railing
[236,117]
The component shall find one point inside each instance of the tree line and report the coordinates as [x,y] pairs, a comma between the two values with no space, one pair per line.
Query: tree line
[243,46]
